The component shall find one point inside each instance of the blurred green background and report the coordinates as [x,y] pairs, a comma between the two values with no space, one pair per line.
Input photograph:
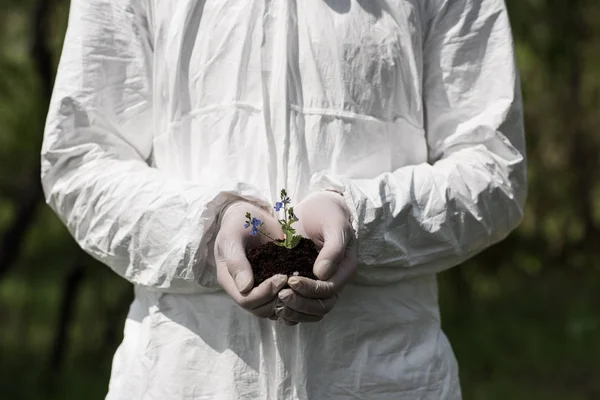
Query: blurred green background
[523,316]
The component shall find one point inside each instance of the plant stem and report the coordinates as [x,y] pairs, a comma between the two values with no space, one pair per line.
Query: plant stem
[267,235]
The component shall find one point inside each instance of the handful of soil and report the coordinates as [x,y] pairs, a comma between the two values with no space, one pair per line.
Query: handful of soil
[270,259]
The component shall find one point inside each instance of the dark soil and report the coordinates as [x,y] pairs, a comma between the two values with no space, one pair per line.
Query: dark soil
[269,260]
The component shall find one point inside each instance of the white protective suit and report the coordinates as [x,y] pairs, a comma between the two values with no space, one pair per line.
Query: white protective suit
[166,110]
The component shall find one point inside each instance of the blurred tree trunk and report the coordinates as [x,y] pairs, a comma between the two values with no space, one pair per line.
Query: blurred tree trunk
[70,291]
[572,38]
[12,239]
[583,155]
[42,57]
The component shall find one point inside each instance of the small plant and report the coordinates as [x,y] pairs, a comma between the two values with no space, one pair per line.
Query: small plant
[292,256]
[291,239]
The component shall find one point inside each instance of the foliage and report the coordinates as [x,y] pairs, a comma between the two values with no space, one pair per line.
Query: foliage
[522,316]
[289,218]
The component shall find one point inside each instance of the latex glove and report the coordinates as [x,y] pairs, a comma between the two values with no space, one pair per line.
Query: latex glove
[234,272]
[325,219]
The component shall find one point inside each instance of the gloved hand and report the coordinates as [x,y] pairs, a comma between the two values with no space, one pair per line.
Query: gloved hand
[234,272]
[324,218]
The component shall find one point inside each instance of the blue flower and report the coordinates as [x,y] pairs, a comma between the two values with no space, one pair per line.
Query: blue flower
[255,223]
[278,206]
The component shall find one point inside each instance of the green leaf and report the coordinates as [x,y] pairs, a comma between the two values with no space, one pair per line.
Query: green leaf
[287,229]
[295,241]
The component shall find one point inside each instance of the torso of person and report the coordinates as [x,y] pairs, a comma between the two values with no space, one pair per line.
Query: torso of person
[271,92]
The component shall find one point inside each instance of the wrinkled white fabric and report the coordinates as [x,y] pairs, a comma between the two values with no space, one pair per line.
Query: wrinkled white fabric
[165,111]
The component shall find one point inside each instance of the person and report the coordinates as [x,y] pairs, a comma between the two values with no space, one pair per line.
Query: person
[396,128]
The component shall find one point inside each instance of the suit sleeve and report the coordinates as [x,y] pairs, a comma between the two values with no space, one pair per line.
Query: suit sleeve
[429,217]
[150,228]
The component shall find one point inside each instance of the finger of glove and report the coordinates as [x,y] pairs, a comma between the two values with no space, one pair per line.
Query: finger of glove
[241,271]
[334,247]
[263,293]
[289,315]
[307,305]
[313,289]
[317,289]
[230,251]
[266,310]
[225,279]
[256,297]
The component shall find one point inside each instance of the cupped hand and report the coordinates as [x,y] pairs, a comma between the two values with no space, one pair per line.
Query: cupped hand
[234,272]
[324,218]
